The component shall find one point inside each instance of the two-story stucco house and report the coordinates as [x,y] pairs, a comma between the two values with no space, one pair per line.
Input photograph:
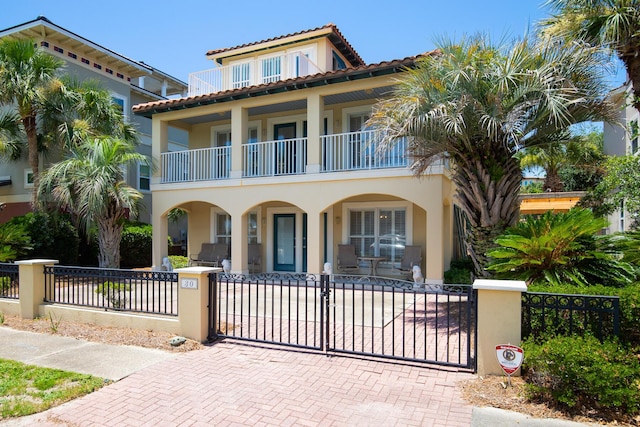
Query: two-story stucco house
[279,154]
[130,82]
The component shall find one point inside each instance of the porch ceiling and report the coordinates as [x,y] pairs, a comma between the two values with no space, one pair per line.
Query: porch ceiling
[300,104]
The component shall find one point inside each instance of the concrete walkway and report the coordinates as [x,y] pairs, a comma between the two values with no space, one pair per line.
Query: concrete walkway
[239,384]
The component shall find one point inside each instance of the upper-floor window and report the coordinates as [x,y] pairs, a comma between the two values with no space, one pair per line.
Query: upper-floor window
[633,135]
[144,177]
[121,102]
[338,63]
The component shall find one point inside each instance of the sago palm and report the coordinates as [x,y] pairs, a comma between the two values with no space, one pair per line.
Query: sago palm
[614,24]
[563,248]
[478,104]
[90,184]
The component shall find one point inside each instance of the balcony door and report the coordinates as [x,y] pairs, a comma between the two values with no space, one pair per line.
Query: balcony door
[286,149]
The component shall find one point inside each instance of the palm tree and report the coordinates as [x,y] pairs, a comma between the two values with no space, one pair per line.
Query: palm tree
[24,73]
[478,104]
[581,151]
[90,184]
[614,24]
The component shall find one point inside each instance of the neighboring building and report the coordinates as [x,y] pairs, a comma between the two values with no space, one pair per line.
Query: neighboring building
[279,154]
[130,82]
[539,203]
[620,140]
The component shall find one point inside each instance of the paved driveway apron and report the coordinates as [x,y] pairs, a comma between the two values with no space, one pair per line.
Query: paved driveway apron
[232,383]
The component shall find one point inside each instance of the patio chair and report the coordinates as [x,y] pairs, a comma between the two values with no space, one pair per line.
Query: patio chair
[412,256]
[255,256]
[347,258]
[211,254]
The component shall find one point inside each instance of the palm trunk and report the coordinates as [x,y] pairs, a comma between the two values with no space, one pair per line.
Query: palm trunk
[487,191]
[29,123]
[553,182]
[109,234]
[631,60]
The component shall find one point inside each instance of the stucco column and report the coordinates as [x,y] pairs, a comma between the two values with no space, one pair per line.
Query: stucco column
[315,243]
[32,290]
[315,128]
[193,301]
[435,245]
[160,233]
[239,243]
[239,135]
[159,145]
[199,227]
[499,320]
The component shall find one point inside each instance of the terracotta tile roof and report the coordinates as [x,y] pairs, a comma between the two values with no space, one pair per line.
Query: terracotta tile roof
[363,71]
[335,36]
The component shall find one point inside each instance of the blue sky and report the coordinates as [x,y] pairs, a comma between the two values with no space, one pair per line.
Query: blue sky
[174,36]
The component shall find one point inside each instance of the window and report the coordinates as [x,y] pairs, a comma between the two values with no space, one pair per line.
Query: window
[144,177]
[338,63]
[28,178]
[223,228]
[378,231]
[121,102]
[252,225]
[240,75]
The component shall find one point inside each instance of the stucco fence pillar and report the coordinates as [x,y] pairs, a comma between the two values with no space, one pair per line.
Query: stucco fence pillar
[193,301]
[499,320]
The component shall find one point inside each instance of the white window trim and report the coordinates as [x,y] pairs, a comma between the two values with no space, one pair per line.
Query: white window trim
[28,172]
[408,206]
[125,105]
[256,124]
[258,212]
[299,120]
[214,217]
[139,176]
[347,112]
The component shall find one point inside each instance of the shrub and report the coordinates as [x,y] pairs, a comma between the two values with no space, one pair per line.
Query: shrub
[560,248]
[115,293]
[135,245]
[14,242]
[52,235]
[178,261]
[459,273]
[576,372]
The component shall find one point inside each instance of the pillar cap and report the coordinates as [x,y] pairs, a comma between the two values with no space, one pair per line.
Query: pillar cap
[197,270]
[37,262]
[500,285]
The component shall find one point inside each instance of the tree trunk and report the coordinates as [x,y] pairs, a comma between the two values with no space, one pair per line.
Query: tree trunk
[488,187]
[631,60]
[109,234]
[29,123]
[553,182]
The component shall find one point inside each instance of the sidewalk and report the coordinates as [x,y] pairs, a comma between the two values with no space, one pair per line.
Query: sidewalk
[232,383]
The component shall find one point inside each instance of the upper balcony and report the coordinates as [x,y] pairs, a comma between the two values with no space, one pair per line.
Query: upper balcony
[252,72]
[342,152]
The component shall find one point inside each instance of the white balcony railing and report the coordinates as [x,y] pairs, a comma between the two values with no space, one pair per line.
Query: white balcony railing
[360,150]
[340,152]
[205,164]
[283,157]
[259,71]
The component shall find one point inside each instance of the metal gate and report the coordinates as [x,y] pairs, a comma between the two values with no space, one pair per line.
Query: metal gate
[362,315]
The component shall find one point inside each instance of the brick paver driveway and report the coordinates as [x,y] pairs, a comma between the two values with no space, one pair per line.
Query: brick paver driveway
[232,383]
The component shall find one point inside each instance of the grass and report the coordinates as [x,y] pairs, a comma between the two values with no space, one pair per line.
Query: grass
[28,389]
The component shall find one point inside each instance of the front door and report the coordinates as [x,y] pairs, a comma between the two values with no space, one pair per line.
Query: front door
[284,242]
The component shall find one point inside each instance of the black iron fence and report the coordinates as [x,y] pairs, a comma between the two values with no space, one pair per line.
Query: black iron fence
[347,314]
[9,281]
[154,292]
[547,314]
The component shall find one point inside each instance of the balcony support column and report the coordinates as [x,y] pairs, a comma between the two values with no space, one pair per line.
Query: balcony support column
[239,135]
[239,242]
[315,128]
[435,237]
[159,145]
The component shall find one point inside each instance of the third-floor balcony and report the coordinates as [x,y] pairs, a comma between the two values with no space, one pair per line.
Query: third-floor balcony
[342,152]
[251,72]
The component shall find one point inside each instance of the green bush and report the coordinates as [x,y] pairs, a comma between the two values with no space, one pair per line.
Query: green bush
[577,372]
[14,242]
[52,235]
[460,272]
[135,245]
[178,261]
[115,293]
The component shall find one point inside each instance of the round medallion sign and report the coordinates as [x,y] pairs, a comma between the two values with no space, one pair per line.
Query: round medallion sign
[509,357]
